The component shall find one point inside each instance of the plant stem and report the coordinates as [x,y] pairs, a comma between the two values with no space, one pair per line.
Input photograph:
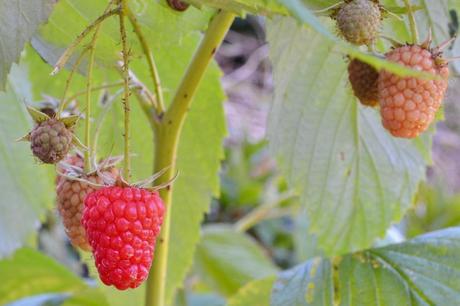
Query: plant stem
[65,101]
[260,213]
[69,51]
[412,22]
[87,152]
[93,89]
[89,80]
[126,105]
[167,136]
[150,61]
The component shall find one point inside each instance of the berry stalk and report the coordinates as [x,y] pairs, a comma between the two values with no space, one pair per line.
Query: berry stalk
[159,105]
[167,135]
[412,22]
[64,100]
[88,103]
[69,51]
[126,105]
[89,88]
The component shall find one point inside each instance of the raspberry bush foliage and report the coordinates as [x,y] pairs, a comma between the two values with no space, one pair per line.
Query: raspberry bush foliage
[359,87]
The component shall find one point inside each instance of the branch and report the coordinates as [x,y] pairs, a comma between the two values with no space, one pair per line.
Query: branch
[150,61]
[167,136]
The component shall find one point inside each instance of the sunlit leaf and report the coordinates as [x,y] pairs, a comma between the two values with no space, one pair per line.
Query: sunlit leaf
[354,178]
[18,22]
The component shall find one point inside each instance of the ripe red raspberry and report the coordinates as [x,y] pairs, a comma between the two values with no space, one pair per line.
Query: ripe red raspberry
[363,79]
[71,195]
[409,104]
[122,224]
[50,141]
[359,21]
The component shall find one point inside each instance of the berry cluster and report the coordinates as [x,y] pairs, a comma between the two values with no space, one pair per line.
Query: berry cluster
[408,105]
[118,224]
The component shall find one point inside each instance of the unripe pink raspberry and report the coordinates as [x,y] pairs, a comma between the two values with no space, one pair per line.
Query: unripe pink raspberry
[409,104]
[71,195]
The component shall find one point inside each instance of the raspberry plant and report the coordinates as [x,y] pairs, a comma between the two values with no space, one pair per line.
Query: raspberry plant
[138,78]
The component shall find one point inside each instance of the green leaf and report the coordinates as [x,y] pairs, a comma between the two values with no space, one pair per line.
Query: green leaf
[354,178]
[28,272]
[26,192]
[227,259]
[87,297]
[19,21]
[71,17]
[307,284]
[255,293]
[422,271]
[241,7]
[203,300]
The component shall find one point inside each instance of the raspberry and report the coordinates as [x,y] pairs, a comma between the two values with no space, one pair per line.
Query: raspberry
[359,21]
[50,141]
[70,199]
[363,79]
[122,224]
[409,104]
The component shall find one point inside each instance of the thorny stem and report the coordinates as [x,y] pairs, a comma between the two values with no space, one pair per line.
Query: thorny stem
[150,60]
[167,136]
[69,51]
[412,22]
[65,101]
[144,97]
[89,78]
[88,106]
[105,111]
[126,105]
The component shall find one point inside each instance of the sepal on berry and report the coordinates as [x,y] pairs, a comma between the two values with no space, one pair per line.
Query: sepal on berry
[78,144]
[52,137]
[37,115]
[70,121]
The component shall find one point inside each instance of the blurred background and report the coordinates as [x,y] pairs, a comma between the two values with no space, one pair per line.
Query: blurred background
[254,197]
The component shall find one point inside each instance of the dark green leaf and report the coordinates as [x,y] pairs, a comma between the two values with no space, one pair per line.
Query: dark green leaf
[422,271]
